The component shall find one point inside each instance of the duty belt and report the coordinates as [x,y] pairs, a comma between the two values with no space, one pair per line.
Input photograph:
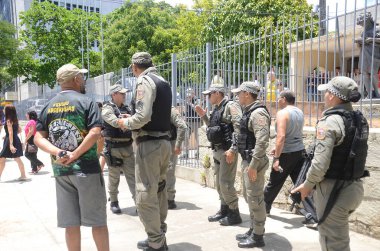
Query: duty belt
[148,137]
[118,144]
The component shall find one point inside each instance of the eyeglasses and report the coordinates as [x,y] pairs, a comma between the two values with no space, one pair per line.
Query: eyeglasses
[83,76]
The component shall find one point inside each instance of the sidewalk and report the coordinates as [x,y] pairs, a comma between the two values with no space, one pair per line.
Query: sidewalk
[28,220]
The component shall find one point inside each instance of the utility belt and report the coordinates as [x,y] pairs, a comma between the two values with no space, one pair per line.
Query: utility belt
[118,144]
[148,137]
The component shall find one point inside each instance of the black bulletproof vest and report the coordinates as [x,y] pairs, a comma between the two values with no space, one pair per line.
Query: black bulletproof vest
[348,159]
[218,132]
[173,132]
[246,139]
[112,132]
[160,120]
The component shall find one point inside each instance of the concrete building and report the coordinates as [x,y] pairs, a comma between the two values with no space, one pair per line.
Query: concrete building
[10,11]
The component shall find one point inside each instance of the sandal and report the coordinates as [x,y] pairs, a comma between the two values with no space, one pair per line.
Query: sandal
[22,178]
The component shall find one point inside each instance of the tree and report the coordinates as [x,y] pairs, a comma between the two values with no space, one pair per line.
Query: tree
[238,20]
[140,26]
[53,36]
[8,47]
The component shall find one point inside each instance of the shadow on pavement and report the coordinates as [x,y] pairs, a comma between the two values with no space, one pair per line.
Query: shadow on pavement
[186,205]
[17,181]
[131,211]
[40,173]
[276,242]
[184,246]
[294,222]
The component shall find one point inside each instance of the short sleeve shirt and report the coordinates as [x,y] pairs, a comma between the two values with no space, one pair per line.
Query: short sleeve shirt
[68,118]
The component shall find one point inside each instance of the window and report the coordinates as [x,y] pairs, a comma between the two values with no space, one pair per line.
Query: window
[97,10]
[74,6]
[56,3]
[91,9]
[68,6]
[80,7]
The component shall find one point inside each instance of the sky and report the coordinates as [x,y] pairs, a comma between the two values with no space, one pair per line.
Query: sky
[188,3]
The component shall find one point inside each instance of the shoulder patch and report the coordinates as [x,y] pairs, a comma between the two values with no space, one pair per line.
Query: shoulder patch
[321,133]
[233,110]
[261,121]
[140,93]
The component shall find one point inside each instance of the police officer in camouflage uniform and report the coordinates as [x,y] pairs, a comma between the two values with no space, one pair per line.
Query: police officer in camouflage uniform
[178,130]
[118,145]
[222,131]
[151,130]
[335,172]
[253,142]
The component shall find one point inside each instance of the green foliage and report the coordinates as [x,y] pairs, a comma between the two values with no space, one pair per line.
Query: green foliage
[269,26]
[140,26]
[52,37]
[8,47]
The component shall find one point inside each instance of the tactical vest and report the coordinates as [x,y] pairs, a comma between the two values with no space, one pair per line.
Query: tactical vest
[112,132]
[161,110]
[173,132]
[348,159]
[246,139]
[218,132]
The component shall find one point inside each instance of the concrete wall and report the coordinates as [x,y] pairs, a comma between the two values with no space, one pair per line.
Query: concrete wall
[366,219]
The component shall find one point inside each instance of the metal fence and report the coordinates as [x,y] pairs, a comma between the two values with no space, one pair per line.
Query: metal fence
[297,55]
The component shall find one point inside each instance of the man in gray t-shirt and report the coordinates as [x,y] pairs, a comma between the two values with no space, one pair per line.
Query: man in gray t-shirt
[288,154]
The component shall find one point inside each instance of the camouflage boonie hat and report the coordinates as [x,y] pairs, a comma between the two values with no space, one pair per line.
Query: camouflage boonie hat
[251,87]
[340,87]
[141,58]
[217,85]
[118,88]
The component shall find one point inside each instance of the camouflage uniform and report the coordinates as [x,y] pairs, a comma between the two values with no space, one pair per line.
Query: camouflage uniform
[226,173]
[181,127]
[252,143]
[152,156]
[331,133]
[124,153]
[259,123]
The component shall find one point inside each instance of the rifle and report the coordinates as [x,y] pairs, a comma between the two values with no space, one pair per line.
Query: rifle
[308,203]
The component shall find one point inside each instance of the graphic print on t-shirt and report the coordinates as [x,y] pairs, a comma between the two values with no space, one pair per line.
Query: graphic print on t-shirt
[64,134]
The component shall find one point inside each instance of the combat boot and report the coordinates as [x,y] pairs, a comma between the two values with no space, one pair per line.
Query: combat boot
[171,204]
[232,218]
[223,212]
[241,237]
[145,245]
[252,241]
[115,207]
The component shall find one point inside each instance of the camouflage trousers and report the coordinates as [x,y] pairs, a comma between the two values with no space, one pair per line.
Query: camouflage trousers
[152,160]
[334,231]
[170,176]
[128,168]
[253,193]
[225,175]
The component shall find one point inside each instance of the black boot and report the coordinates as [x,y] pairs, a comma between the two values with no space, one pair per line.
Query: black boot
[252,241]
[171,204]
[220,214]
[232,218]
[241,237]
[115,207]
[145,246]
